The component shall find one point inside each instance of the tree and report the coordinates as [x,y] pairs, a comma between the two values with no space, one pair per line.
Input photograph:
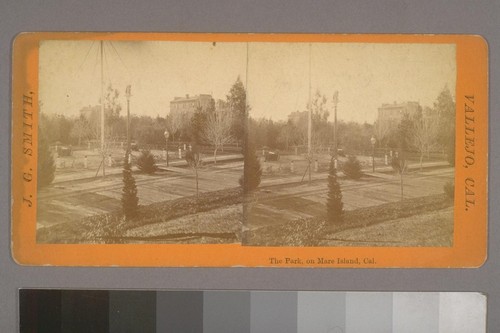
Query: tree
[174,123]
[197,126]
[334,205]
[91,114]
[400,164]
[404,136]
[405,133]
[112,108]
[81,130]
[130,201]
[320,113]
[287,135]
[352,168]
[238,106]
[115,126]
[57,128]
[217,130]
[46,166]
[444,106]
[354,137]
[321,130]
[252,171]
[194,161]
[381,131]
[424,136]
[146,162]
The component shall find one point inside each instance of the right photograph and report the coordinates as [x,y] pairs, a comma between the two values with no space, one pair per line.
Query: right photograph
[350,144]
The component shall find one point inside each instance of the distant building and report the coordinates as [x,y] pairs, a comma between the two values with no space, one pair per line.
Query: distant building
[393,113]
[189,104]
[93,113]
[90,112]
[298,117]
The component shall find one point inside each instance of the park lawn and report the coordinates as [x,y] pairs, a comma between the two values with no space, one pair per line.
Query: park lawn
[433,229]
[316,231]
[220,225]
[113,228]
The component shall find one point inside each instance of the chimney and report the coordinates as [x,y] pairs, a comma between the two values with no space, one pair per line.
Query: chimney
[187,95]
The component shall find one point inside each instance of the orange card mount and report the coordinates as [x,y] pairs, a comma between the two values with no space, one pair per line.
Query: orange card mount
[249,150]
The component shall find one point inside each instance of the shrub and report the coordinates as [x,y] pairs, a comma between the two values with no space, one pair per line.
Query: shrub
[334,205]
[146,162]
[129,193]
[46,165]
[252,170]
[449,189]
[352,168]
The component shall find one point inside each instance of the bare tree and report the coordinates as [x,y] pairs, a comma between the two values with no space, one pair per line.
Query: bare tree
[193,158]
[424,136]
[286,135]
[400,165]
[217,130]
[174,123]
[381,130]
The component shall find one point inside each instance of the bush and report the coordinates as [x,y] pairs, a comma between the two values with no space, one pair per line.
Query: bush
[146,162]
[352,168]
[46,165]
[130,200]
[334,205]
[449,189]
[252,170]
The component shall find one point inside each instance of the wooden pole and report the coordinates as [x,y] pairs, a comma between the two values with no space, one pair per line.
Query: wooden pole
[309,123]
[102,112]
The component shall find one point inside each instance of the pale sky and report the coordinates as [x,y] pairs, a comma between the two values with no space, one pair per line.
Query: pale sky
[365,75]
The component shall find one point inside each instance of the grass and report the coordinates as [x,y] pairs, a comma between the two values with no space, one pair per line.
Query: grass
[312,231]
[220,225]
[113,227]
[434,228]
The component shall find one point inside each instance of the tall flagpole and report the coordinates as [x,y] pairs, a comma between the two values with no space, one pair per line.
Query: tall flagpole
[102,113]
[246,134]
[309,123]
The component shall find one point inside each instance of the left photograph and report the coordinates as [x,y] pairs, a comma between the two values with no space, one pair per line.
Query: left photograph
[140,142]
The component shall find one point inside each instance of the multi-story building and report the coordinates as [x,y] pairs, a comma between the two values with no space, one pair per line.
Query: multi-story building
[393,113]
[298,117]
[189,104]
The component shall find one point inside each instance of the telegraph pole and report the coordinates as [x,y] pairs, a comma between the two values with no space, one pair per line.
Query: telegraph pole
[128,94]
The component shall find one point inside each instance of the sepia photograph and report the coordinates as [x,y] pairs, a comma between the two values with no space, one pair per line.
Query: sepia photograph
[256,150]
[140,142]
[352,144]
[267,144]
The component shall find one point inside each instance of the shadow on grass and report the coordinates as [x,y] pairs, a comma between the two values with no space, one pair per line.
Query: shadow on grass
[312,231]
[111,228]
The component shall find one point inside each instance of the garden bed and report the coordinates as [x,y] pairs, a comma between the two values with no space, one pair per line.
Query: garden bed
[312,231]
[110,228]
